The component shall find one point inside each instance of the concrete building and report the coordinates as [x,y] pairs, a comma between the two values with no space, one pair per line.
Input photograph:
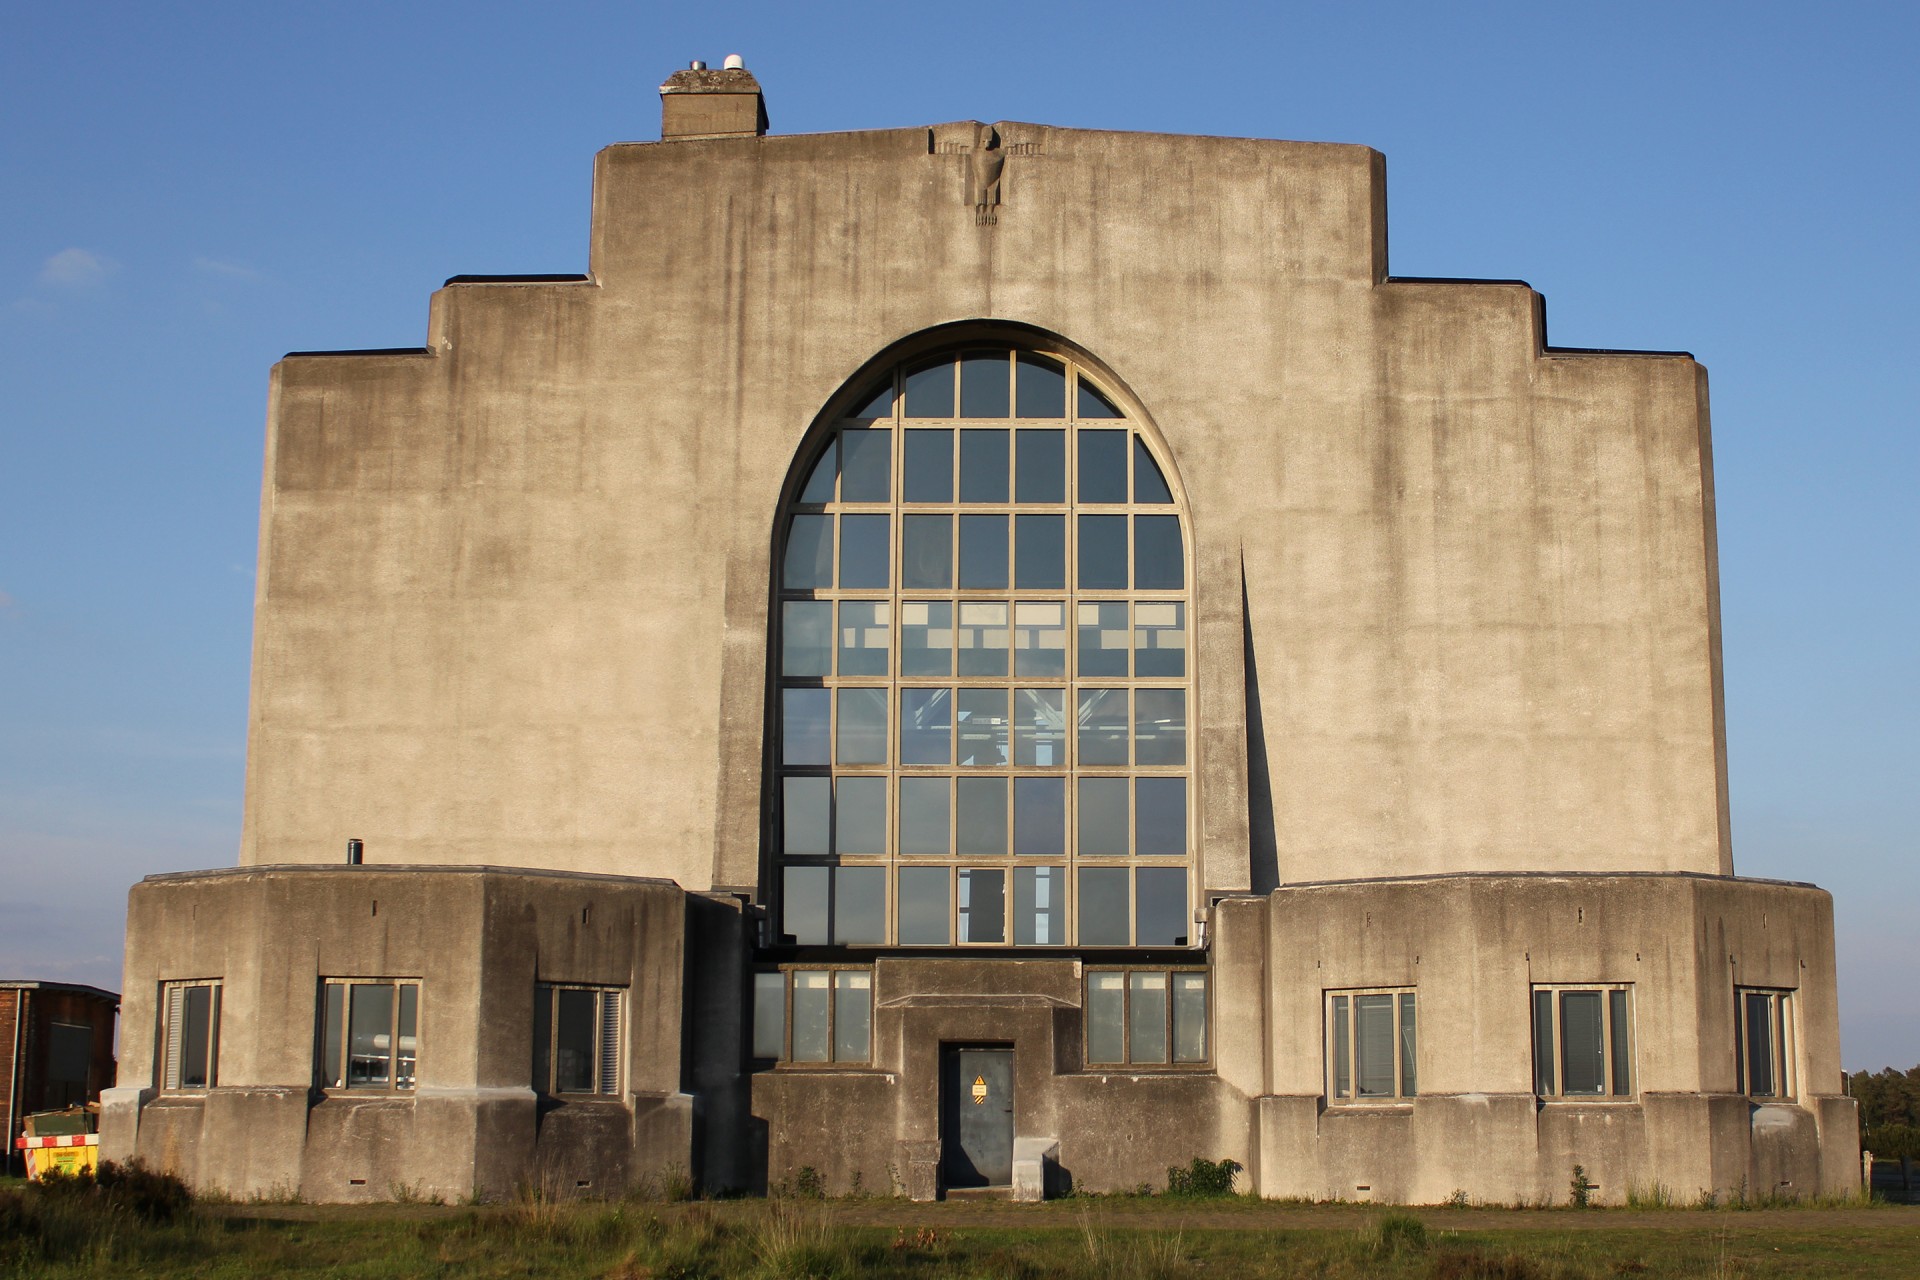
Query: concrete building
[976,655]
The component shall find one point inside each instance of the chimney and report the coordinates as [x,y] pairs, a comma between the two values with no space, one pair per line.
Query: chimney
[698,103]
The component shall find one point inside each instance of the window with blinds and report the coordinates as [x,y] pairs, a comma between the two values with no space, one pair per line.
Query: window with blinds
[189,1057]
[1372,1046]
[576,1039]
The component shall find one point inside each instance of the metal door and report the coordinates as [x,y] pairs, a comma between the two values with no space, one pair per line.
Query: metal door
[976,1116]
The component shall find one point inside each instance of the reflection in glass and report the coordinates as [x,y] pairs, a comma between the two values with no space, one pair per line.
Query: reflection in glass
[806,638]
[1106,1015]
[864,553]
[981,718]
[876,404]
[1157,562]
[983,388]
[860,816]
[1040,638]
[1147,1017]
[573,1057]
[864,637]
[859,905]
[1039,898]
[1040,727]
[983,552]
[1103,817]
[803,726]
[1103,639]
[1103,907]
[1092,404]
[930,391]
[926,638]
[1160,639]
[769,1015]
[1373,1046]
[812,990]
[926,552]
[982,639]
[806,806]
[1040,466]
[803,909]
[860,737]
[1160,816]
[924,817]
[983,905]
[1160,907]
[1102,718]
[982,812]
[1160,726]
[819,485]
[983,465]
[926,726]
[1148,484]
[927,475]
[866,465]
[852,1015]
[1103,466]
[1040,388]
[1040,552]
[923,907]
[809,561]
[369,1035]
[1103,553]
[1189,1017]
[1040,817]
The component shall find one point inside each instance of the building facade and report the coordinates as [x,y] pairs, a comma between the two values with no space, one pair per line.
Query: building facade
[977,655]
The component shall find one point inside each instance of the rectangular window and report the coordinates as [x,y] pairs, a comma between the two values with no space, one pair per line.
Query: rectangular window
[369,1032]
[190,1054]
[576,1039]
[816,1016]
[1583,1042]
[1764,1042]
[1371,1048]
[1146,1017]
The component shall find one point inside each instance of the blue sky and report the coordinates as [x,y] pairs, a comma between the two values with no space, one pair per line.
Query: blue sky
[187,192]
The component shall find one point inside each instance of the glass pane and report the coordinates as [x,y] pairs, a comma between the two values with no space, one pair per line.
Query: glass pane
[983,465]
[860,737]
[926,552]
[409,1022]
[982,719]
[806,638]
[1103,639]
[1342,1049]
[769,1015]
[803,904]
[1148,484]
[1040,388]
[809,561]
[1157,562]
[332,1053]
[1039,899]
[930,391]
[1040,727]
[924,819]
[1622,1042]
[1102,720]
[877,403]
[859,905]
[805,808]
[1582,1066]
[1189,1017]
[923,907]
[1159,639]
[803,726]
[1103,817]
[196,1023]
[573,1042]
[926,637]
[1759,1045]
[370,1035]
[1103,907]
[982,639]
[1160,726]
[1103,553]
[926,726]
[819,485]
[927,475]
[864,553]
[1093,404]
[1103,466]
[860,821]
[983,905]
[542,1037]
[1373,1045]
[984,389]
[866,465]
[1040,466]
[1040,818]
[1106,1017]
[982,816]
[1040,552]
[1039,638]
[1160,816]
[852,1016]
[1409,1074]
[865,635]
[1543,1043]
[983,552]
[1160,917]
[811,992]
[1147,1017]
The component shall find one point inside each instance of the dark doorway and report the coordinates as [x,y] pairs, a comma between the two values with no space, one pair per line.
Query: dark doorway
[976,1116]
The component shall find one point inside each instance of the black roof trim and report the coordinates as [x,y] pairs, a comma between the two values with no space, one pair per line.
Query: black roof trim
[361,351]
[554,279]
[1452,280]
[1614,351]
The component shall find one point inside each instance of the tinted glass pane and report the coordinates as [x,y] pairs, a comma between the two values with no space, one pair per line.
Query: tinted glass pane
[930,391]
[1543,1042]
[1160,639]
[1147,1017]
[926,726]
[1342,1048]
[1160,816]
[1759,1045]
[860,737]
[1040,552]
[1103,639]
[926,637]
[573,1054]
[1093,404]
[812,992]
[803,907]
[809,561]
[1148,484]
[1039,896]
[981,805]
[877,403]
[1373,1045]
[864,553]
[923,907]
[1040,727]
[983,466]
[1160,726]
[819,485]
[982,639]
[1040,818]
[1103,907]
[1160,916]
[1157,563]
[806,638]
[333,1051]
[369,1035]
[409,993]
[927,475]
[866,465]
[1409,1077]
[769,1015]
[1106,1013]
[1040,466]
[1103,466]
[803,726]
[860,820]
[864,637]
[1582,1067]
[983,551]
[926,552]
[1102,720]
[1040,388]
[196,1023]
[859,904]
[983,386]
[1103,817]
[983,905]
[1040,638]
[1103,553]
[1622,1041]
[852,1016]
[982,724]
[805,806]
[1189,1017]
[924,818]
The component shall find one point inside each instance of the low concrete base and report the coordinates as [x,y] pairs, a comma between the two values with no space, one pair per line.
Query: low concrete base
[1033,1159]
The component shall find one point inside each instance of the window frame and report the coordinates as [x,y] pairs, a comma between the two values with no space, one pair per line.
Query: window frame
[1614,1013]
[172,1037]
[394,1085]
[609,1044]
[1339,1008]
[1169,1018]
[1779,1003]
[785,1061]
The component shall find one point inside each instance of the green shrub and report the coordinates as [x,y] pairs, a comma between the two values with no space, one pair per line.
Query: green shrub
[1203,1179]
[1580,1190]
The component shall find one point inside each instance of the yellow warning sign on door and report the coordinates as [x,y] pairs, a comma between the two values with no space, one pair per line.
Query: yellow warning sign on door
[979,1090]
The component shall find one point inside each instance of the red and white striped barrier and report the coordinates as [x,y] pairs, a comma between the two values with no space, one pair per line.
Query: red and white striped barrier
[59,1140]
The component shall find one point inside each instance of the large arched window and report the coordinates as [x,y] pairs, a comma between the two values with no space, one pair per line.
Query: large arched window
[982,669]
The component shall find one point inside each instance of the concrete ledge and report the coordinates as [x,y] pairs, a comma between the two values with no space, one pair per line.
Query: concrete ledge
[1032,1158]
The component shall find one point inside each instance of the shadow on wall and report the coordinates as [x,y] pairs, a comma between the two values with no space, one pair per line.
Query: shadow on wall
[1263,846]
